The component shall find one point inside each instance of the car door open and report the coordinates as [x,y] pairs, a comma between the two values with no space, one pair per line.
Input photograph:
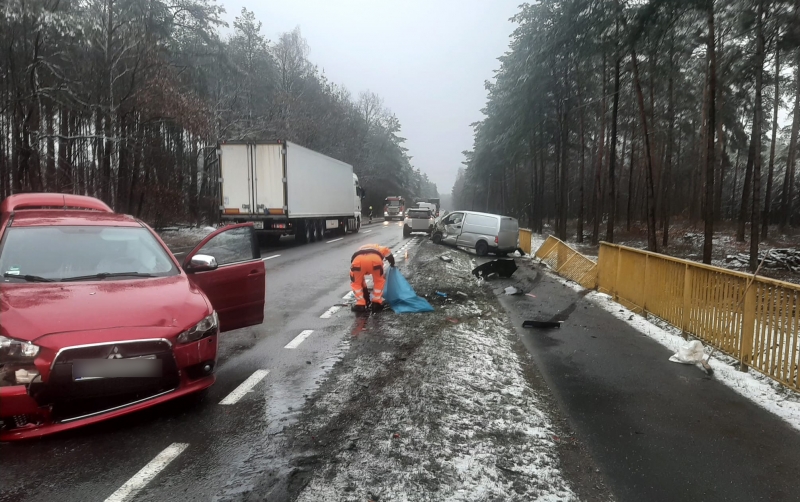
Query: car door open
[227,266]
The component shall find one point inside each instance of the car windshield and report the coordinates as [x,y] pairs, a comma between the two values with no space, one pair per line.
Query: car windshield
[67,252]
[419,213]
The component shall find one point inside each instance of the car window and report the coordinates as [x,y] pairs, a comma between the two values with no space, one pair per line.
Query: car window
[454,219]
[232,246]
[63,252]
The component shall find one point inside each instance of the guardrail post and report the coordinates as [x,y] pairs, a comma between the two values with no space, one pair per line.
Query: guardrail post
[748,328]
[687,301]
[616,275]
[644,288]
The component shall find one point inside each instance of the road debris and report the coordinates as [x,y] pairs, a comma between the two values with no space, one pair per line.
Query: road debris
[445,258]
[443,295]
[502,268]
[541,324]
[689,353]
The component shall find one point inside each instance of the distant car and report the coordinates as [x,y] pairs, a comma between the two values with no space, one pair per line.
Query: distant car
[99,319]
[484,232]
[418,220]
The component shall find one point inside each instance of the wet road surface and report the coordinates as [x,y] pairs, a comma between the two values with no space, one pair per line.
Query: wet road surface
[658,430]
[184,450]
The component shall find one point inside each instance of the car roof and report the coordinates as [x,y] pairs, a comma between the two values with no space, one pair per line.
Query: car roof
[484,214]
[56,217]
[52,209]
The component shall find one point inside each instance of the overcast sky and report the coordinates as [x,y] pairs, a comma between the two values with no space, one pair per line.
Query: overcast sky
[428,60]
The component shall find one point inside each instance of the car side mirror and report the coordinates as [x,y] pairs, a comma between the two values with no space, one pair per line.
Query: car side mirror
[201,263]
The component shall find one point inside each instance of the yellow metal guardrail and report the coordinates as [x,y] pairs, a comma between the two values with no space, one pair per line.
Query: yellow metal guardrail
[755,320]
[567,262]
[525,240]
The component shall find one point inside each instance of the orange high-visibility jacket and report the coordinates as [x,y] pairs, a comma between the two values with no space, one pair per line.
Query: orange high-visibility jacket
[383,251]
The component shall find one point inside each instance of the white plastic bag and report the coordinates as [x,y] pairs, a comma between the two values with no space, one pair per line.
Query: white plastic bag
[689,353]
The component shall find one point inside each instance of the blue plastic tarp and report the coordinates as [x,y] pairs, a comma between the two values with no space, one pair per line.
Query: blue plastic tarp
[401,296]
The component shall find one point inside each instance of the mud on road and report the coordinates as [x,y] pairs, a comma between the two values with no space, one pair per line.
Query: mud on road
[436,406]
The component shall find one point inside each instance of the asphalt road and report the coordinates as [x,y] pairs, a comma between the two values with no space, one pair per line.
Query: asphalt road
[656,429]
[185,450]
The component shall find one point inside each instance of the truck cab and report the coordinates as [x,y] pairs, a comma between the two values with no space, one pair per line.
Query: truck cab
[394,207]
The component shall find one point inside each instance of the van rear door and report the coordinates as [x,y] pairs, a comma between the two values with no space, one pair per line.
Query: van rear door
[509,233]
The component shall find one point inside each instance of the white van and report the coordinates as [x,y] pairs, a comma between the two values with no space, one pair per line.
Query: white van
[483,232]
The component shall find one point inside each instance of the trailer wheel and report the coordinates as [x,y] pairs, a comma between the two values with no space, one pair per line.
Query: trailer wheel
[319,227]
[358,226]
[309,229]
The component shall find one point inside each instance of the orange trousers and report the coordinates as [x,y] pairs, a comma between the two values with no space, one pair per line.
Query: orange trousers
[362,266]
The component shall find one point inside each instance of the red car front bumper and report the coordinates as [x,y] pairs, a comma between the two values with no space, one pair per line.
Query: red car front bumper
[35,419]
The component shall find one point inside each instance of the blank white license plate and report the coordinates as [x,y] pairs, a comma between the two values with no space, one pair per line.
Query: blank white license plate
[258,225]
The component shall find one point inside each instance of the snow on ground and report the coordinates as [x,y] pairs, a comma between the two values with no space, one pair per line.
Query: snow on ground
[457,418]
[753,385]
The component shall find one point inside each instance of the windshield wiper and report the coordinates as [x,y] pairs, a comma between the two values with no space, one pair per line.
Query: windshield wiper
[28,278]
[106,275]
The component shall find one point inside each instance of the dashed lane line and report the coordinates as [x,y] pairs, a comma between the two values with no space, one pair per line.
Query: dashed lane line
[299,339]
[270,257]
[334,240]
[367,231]
[328,313]
[147,473]
[244,387]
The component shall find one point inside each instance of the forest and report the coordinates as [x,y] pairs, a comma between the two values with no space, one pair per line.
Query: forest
[608,113]
[127,100]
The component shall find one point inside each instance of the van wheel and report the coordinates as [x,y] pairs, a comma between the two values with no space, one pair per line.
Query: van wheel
[437,238]
[406,232]
[481,248]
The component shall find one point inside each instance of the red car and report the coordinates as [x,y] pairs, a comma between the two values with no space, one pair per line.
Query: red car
[98,318]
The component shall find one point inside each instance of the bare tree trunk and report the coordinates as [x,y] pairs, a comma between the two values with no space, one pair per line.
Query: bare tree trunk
[581,180]
[666,176]
[754,218]
[721,155]
[747,186]
[613,155]
[597,194]
[708,241]
[788,179]
[652,242]
[771,168]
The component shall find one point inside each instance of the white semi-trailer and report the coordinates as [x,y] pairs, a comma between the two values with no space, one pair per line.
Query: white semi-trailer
[285,189]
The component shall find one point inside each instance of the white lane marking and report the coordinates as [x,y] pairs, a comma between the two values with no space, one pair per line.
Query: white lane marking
[299,339]
[270,257]
[147,473]
[367,231]
[328,313]
[334,240]
[245,387]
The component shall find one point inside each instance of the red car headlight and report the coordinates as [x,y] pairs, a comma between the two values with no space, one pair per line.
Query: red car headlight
[207,327]
[16,361]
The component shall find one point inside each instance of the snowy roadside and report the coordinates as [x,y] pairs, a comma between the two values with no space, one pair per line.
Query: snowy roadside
[186,237]
[753,385]
[434,406]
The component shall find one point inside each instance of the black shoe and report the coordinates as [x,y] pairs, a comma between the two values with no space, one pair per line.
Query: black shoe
[359,308]
[377,307]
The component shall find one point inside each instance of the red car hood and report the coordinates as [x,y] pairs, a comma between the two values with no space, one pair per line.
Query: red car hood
[30,311]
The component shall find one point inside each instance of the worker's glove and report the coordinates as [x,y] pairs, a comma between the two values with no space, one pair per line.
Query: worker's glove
[390,259]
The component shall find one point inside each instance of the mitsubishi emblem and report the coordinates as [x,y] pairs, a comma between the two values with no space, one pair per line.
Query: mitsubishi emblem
[115,353]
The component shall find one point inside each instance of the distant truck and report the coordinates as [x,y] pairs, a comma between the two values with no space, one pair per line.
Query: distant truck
[286,189]
[394,207]
[437,202]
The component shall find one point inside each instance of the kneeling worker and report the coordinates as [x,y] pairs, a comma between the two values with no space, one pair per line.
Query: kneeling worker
[368,260]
